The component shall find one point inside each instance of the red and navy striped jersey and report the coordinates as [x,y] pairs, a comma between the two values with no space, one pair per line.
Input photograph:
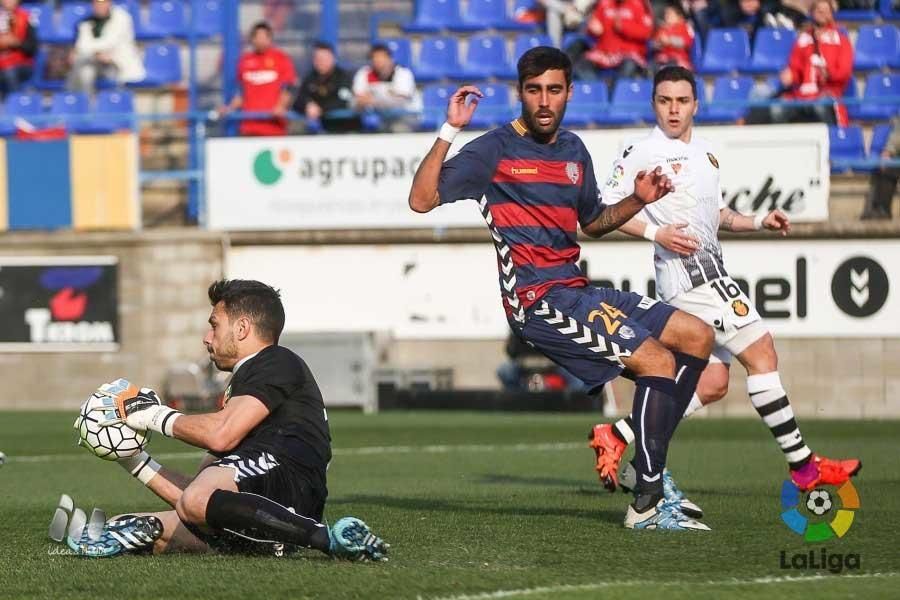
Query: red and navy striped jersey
[532,197]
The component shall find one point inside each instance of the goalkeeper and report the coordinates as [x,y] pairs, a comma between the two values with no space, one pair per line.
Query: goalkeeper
[263,483]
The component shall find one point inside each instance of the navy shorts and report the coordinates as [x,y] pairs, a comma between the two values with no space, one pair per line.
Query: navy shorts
[589,330]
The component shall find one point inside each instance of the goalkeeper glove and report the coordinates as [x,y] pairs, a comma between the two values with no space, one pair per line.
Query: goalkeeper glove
[143,411]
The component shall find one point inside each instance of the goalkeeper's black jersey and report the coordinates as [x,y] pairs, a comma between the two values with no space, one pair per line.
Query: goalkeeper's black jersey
[297,426]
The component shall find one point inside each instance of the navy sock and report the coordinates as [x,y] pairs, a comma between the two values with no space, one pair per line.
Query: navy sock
[654,416]
[688,369]
[261,519]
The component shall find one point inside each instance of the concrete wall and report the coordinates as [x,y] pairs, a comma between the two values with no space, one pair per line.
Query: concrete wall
[163,310]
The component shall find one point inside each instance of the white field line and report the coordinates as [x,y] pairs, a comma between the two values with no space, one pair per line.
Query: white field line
[588,587]
[362,451]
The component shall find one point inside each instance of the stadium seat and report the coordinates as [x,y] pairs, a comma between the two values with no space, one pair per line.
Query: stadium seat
[165,18]
[526,41]
[494,109]
[697,51]
[19,104]
[487,14]
[70,15]
[630,103]
[111,113]
[846,146]
[880,135]
[856,14]
[589,102]
[771,49]
[485,57]
[400,48]
[735,91]
[571,37]
[433,16]
[38,77]
[163,65]
[726,50]
[208,18]
[851,93]
[438,56]
[880,86]
[877,46]
[42,20]
[134,9]
[70,104]
[434,105]
[889,10]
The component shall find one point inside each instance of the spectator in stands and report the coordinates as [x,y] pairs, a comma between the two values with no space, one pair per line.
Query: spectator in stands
[560,16]
[746,14]
[267,82]
[622,29]
[884,179]
[703,14]
[820,65]
[388,89]
[673,39]
[18,45]
[105,47]
[325,89]
[789,14]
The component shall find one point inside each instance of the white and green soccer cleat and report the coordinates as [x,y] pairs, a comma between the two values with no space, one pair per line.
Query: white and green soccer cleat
[628,479]
[666,515]
[351,539]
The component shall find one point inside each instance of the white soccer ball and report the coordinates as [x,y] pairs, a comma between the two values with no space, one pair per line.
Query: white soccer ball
[2,459]
[109,443]
[819,502]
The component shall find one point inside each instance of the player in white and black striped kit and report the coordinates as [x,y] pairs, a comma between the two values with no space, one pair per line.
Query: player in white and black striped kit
[691,275]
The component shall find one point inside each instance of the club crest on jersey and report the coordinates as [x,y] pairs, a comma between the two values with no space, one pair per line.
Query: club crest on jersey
[740,308]
[626,332]
[676,167]
[712,159]
[573,172]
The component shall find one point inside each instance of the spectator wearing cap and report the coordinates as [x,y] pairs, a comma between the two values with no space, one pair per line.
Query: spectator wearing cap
[105,47]
[267,82]
[327,88]
[388,89]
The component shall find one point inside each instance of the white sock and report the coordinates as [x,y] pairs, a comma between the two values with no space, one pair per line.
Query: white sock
[770,401]
[693,407]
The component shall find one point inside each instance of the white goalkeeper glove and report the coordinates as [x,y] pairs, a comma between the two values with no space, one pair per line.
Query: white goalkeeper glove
[141,411]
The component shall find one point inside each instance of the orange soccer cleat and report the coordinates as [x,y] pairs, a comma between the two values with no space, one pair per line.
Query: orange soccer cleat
[609,449]
[825,471]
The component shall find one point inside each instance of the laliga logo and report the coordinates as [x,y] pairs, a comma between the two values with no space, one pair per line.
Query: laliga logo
[819,503]
[264,168]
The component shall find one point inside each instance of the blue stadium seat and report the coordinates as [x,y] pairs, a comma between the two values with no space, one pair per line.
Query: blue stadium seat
[434,105]
[111,113]
[588,104]
[888,10]
[630,102]
[494,108]
[42,20]
[134,9]
[726,50]
[527,41]
[851,93]
[485,57]
[163,65]
[856,14]
[880,135]
[165,18]
[438,56]
[208,18]
[846,146]
[70,15]
[70,104]
[730,90]
[487,14]
[401,50]
[697,51]
[570,37]
[877,46]
[433,16]
[878,86]
[38,78]
[771,49]
[19,104]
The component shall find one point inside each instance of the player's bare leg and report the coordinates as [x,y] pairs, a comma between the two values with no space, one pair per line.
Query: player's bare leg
[771,402]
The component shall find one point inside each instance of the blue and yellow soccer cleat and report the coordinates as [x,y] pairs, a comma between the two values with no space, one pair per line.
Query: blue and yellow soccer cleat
[128,533]
[673,494]
[351,539]
[666,515]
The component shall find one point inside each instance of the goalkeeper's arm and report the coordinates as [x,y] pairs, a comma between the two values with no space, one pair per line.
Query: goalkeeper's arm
[163,482]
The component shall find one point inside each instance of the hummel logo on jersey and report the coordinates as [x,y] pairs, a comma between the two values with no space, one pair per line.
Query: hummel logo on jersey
[524,170]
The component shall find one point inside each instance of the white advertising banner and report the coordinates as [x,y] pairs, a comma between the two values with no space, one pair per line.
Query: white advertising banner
[449,291]
[362,181]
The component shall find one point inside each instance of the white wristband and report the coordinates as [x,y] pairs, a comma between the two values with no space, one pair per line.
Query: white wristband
[650,231]
[141,466]
[448,132]
[758,222]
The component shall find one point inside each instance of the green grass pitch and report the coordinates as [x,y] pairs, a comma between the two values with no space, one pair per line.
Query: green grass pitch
[475,506]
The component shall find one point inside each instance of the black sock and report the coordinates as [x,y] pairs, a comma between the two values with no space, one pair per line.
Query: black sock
[653,416]
[688,369]
[261,519]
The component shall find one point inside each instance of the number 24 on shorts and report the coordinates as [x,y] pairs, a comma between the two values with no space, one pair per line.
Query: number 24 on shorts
[610,316]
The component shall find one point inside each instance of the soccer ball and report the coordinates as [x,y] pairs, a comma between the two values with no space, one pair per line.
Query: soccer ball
[818,502]
[109,443]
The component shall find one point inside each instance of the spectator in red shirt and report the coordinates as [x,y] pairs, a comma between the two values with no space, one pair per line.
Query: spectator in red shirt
[18,45]
[622,29]
[674,39]
[268,81]
[821,62]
